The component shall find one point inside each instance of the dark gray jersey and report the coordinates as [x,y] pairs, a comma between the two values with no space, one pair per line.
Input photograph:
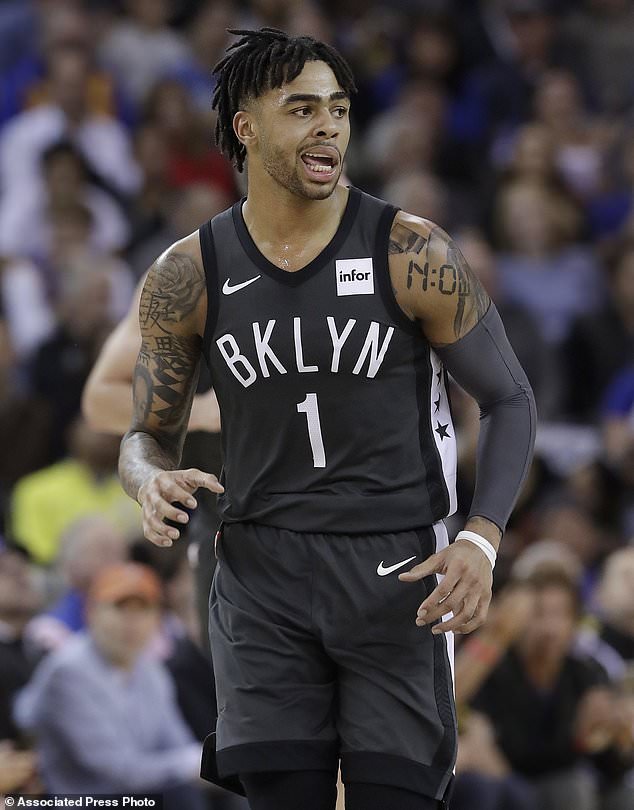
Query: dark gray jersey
[335,413]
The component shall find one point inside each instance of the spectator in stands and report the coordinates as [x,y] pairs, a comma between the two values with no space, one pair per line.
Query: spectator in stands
[207,37]
[86,547]
[73,253]
[522,35]
[602,343]
[28,310]
[612,640]
[19,600]
[542,267]
[309,19]
[521,327]
[141,47]
[599,43]
[484,778]
[103,713]
[563,519]
[24,422]
[61,365]
[148,209]
[47,502]
[53,25]
[56,25]
[192,158]
[578,140]
[422,193]
[102,141]
[25,228]
[183,643]
[53,306]
[611,212]
[407,134]
[187,210]
[533,156]
[533,159]
[549,708]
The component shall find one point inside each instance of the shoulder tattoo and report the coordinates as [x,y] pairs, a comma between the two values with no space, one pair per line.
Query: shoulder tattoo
[436,266]
[171,292]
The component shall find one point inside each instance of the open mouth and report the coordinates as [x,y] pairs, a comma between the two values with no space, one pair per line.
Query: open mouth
[320,165]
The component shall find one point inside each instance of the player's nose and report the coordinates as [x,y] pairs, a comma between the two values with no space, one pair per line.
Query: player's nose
[327,126]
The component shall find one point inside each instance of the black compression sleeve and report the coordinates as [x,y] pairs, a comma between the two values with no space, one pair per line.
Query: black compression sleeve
[485,365]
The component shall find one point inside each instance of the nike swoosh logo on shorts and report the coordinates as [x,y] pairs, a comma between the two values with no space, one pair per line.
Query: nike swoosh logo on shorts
[228,289]
[383,572]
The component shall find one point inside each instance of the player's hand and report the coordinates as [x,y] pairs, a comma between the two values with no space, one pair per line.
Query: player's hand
[161,493]
[465,589]
[596,721]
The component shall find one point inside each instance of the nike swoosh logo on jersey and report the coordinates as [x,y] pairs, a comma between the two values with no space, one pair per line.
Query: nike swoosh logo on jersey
[228,289]
[383,572]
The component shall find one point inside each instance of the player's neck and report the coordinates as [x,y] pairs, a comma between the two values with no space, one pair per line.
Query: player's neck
[273,214]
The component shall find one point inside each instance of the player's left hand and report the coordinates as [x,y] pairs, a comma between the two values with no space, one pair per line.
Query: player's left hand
[465,589]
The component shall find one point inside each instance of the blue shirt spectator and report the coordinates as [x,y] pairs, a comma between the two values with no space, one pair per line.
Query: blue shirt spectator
[104,714]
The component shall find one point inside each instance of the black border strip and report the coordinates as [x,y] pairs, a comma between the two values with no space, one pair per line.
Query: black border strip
[299,276]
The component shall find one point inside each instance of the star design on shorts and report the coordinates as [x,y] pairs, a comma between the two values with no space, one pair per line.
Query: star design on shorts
[441,430]
[437,404]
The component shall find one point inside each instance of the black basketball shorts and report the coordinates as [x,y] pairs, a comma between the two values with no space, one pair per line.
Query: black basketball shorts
[318,658]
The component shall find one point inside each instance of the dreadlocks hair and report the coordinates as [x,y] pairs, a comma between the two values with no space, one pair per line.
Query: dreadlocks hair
[258,62]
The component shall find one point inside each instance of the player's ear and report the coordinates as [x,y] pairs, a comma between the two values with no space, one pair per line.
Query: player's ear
[244,128]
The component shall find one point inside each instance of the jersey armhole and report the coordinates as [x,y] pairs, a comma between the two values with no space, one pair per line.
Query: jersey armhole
[210,266]
[384,229]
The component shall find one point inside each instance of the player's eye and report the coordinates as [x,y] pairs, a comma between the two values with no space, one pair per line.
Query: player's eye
[340,112]
[302,112]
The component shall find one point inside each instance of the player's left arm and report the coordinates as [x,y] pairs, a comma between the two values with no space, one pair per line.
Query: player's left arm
[434,285]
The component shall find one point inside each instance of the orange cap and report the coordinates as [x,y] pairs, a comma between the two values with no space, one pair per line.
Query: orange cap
[125,581]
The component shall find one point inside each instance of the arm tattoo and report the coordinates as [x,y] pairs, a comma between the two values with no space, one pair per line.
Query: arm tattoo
[166,371]
[176,294]
[173,357]
[403,240]
[473,301]
[451,277]
[167,367]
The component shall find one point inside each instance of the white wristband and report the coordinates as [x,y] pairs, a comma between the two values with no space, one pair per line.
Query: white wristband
[482,543]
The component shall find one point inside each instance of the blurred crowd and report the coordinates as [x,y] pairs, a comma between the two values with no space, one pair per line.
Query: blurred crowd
[508,122]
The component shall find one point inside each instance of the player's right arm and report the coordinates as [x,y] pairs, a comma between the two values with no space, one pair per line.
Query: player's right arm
[172,312]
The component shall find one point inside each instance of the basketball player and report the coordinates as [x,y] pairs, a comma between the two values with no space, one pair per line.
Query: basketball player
[330,322]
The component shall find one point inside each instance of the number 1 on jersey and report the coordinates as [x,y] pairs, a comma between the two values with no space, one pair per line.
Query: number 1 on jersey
[309,407]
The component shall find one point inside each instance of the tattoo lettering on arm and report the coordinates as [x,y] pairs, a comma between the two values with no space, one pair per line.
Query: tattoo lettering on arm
[433,282]
[175,296]
[166,371]
[404,240]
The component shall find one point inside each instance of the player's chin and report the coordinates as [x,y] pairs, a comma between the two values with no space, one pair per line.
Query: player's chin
[320,190]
